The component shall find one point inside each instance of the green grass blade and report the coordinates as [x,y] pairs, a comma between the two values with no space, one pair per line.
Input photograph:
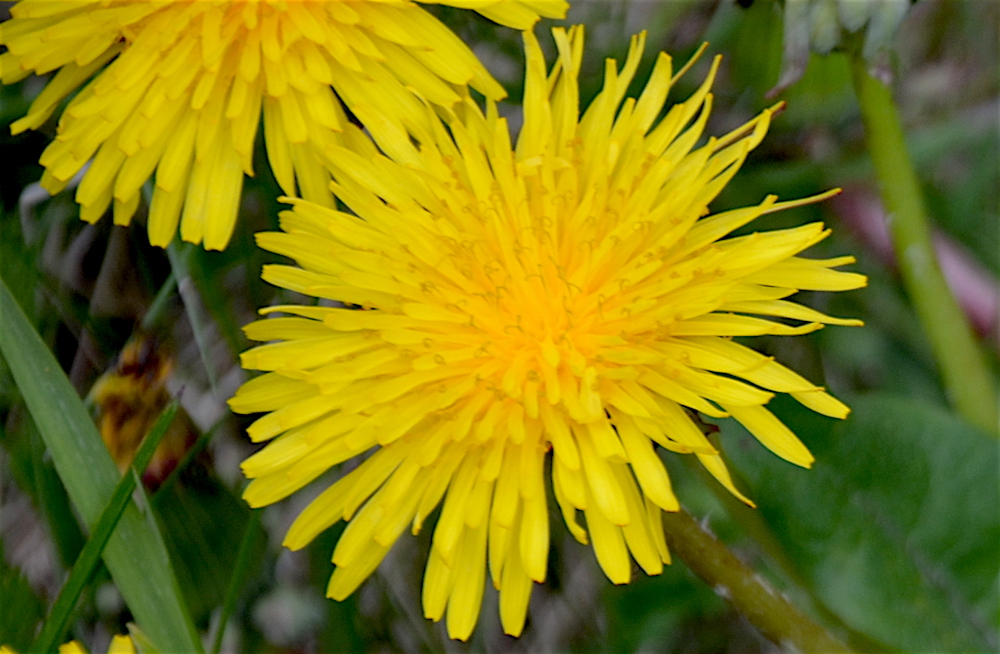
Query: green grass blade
[185,461]
[157,308]
[180,258]
[86,563]
[135,553]
[240,570]
[141,640]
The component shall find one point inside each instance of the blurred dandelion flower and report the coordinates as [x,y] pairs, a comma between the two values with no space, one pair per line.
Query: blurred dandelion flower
[128,399]
[572,295]
[119,645]
[179,87]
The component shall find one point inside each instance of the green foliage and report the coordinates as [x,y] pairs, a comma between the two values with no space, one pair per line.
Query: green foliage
[23,610]
[135,553]
[896,527]
[670,612]
[202,522]
[86,563]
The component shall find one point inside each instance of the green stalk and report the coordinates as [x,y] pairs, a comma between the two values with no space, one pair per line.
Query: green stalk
[966,378]
[776,618]
[754,526]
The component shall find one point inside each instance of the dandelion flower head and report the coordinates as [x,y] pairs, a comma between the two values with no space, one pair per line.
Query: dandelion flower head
[570,298]
[179,86]
[118,645]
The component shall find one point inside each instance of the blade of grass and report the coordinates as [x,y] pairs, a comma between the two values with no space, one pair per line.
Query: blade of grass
[50,494]
[86,563]
[236,582]
[206,272]
[159,304]
[135,553]
[180,261]
[141,640]
[185,461]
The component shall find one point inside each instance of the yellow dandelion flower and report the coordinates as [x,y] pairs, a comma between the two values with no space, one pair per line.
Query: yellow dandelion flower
[179,86]
[571,296]
[119,645]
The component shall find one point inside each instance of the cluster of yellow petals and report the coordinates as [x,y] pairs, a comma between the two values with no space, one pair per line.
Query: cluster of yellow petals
[118,645]
[570,295]
[179,86]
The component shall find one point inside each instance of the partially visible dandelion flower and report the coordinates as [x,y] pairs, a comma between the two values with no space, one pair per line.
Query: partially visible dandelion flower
[571,296]
[119,645]
[178,87]
[129,397]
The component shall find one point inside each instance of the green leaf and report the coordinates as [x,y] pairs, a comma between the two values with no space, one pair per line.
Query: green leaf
[86,563]
[22,609]
[245,560]
[670,612]
[180,257]
[135,554]
[896,527]
[202,523]
[49,495]
[141,640]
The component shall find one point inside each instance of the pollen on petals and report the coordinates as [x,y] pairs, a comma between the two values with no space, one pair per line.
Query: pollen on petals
[568,304]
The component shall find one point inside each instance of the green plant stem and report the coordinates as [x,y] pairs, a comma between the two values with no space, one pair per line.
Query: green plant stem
[966,377]
[86,562]
[776,618]
[754,526]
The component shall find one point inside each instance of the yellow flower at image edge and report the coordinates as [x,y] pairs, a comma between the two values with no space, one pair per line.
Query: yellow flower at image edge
[571,296]
[178,87]
[119,645]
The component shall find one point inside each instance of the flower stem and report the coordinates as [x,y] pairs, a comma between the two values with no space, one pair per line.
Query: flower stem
[776,618]
[966,378]
[755,527]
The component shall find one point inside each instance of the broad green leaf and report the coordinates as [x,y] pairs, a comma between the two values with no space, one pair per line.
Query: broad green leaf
[897,526]
[135,554]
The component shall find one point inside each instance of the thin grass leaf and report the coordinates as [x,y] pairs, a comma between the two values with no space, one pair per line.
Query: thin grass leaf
[141,640]
[206,270]
[54,504]
[240,570]
[86,563]
[185,461]
[135,553]
[180,257]
[159,305]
